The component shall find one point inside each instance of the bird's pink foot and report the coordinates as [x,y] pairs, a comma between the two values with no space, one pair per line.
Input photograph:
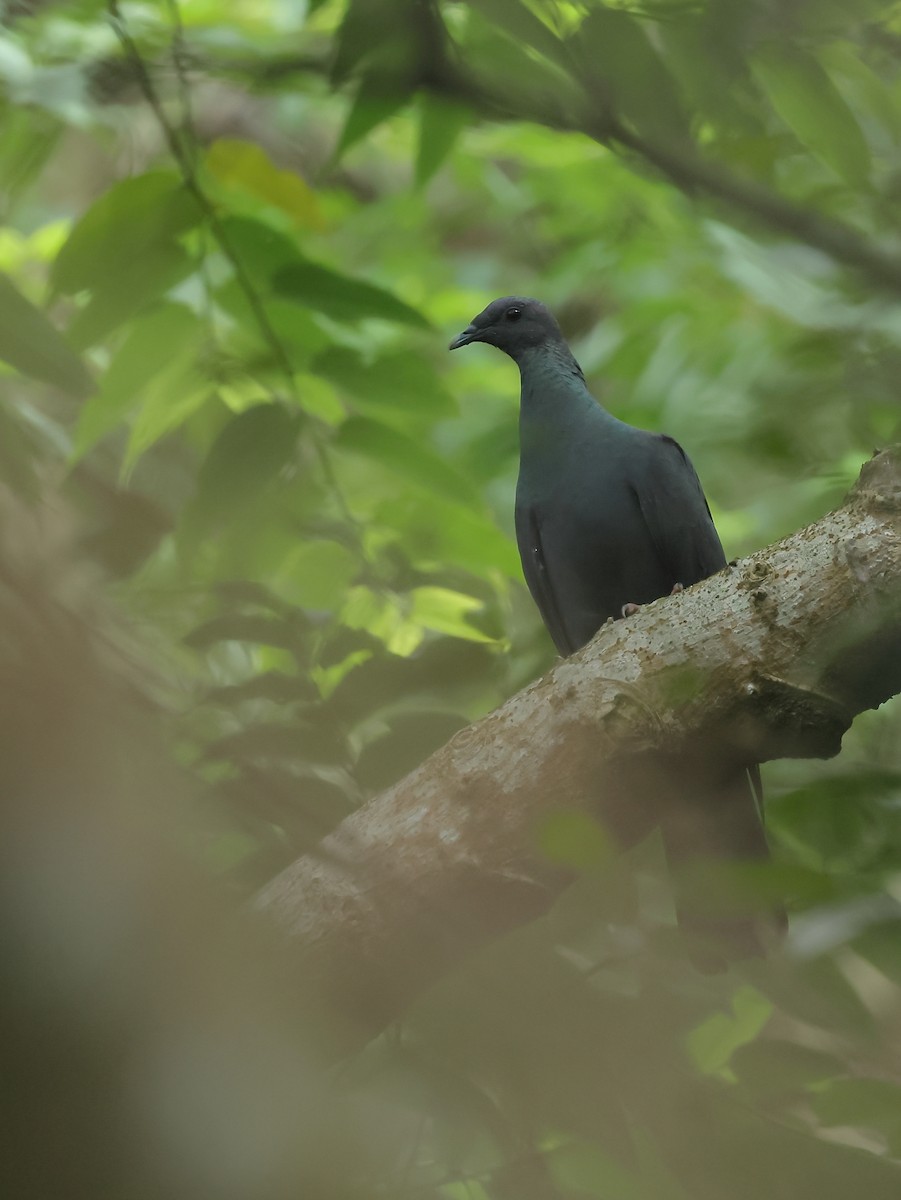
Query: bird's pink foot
[629,610]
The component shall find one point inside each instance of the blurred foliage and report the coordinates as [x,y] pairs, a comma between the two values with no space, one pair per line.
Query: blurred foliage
[236,240]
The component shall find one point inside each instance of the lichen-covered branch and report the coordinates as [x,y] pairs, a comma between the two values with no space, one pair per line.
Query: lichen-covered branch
[772,657]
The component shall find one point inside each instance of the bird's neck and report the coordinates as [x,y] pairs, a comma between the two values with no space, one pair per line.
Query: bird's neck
[555,400]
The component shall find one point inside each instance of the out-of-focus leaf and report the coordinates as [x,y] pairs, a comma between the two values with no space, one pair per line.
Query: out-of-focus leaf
[811,106]
[443,669]
[818,992]
[266,741]
[842,821]
[131,221]
[861,1103]
[772,1067]
[246,458]
[318,574]
[521,23]
[620,63]
[244,627]
[574,839]
[261,249]
[342,297]
[246,165]
[31,344]
[444,611]
[439,530]
[400,382]
[383,615]
[880,945]
[440,125]
[117,301]
[408,459]
[371,107]
[411,739]
[151,352]
[873,95]
[274,686]
[714,1041]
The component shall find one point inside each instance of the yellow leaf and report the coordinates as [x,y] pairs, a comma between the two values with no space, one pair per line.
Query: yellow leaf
[247,166]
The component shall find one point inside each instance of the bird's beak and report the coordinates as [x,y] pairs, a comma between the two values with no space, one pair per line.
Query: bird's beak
[469,334]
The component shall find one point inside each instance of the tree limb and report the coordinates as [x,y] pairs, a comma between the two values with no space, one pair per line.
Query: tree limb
[772,657]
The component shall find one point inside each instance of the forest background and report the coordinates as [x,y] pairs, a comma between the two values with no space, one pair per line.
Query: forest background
[236,241]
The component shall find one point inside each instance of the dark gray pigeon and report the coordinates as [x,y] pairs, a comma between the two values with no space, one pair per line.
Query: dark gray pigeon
[609,517]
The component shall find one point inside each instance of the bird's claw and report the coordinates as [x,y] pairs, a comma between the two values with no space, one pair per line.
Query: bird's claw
[629,610]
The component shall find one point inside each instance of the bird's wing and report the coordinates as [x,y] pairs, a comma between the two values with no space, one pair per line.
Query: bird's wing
[675,512]
[534,566]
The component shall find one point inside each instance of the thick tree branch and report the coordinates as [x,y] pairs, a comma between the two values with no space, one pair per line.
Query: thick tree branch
[771,657]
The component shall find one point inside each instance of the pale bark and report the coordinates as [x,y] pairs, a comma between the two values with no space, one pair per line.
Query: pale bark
[772,657]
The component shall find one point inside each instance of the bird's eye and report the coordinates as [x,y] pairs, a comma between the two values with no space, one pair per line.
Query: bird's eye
[513,314]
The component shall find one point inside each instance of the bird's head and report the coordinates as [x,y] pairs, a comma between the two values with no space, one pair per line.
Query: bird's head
[514,324]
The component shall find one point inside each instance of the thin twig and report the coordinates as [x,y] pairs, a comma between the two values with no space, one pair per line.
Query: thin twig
[184,159]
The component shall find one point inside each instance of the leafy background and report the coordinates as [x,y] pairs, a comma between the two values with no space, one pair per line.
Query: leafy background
[236,241]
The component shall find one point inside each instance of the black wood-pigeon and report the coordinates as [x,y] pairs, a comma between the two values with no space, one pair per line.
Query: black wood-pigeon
[610,517]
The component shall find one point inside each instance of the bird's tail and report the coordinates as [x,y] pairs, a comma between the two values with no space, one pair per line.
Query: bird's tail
[718,823]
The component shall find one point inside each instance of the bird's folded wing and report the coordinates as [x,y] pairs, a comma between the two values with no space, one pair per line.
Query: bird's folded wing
[675,512]
[534,565]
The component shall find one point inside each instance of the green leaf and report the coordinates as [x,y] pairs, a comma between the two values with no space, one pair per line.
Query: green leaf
[870,1103]
[440,125]
[245,459]
[402,382]
[151,352]
[713,1042]
[371,107]
[812,107]
[521,23]
[621,65]
[575,839]
[245,627]
[318,574]
[339,296]
[261,249]
[113,303]
[246,165]
[33,346]
[412,737]
[133,219]
[772,1066]
[406,458]
[438,530]
[446,611]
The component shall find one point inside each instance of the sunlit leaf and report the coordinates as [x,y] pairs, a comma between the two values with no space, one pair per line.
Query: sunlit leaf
[445,611]
[246,165]
[713,1042]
